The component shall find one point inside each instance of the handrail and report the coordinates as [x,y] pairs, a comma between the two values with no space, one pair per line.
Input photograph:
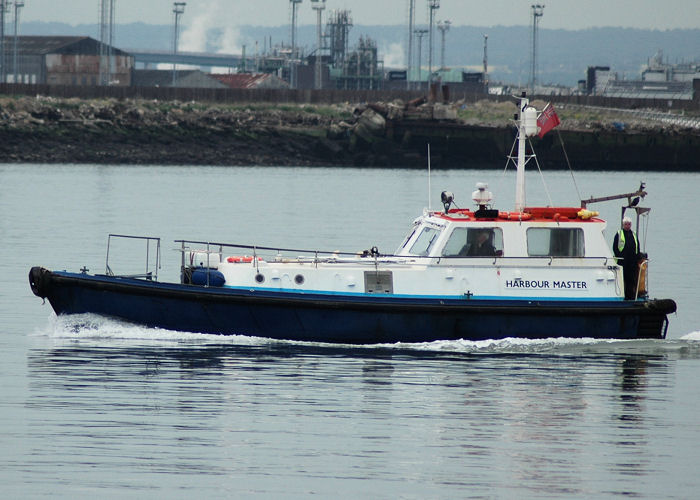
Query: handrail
[257,247]
[316,256]
[147,274]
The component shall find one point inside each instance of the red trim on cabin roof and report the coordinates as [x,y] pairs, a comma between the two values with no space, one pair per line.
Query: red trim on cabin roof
[535,214]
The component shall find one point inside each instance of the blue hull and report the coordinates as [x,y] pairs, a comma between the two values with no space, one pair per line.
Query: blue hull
[344,319]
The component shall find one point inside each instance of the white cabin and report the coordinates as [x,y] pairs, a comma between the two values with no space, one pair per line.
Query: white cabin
[540,254]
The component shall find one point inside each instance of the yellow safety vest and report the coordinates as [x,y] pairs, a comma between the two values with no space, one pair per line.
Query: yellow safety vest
[621,241]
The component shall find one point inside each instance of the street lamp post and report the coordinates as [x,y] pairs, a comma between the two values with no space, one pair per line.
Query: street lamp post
[3,68]
[486,60]
[178,10]
[537,13]
[433,5]
[319,6]
[18,6]
[409,55]
[293,56]
[444,27]
[420,34]
[106,41]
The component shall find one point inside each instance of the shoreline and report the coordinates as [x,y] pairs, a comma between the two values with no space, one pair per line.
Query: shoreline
[57,131]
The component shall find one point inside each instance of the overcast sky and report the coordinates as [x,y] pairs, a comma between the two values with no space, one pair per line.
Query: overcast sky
[565,14]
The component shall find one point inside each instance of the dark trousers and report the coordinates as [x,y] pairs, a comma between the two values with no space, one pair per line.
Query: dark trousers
[630,273]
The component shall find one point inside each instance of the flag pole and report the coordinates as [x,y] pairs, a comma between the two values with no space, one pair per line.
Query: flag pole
[520,165]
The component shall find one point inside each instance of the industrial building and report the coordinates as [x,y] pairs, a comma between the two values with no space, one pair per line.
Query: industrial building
[458,81]
[659,80]
[65,60]
[190,78]
[356,69]
[251,81]
[360,69]
[659,71]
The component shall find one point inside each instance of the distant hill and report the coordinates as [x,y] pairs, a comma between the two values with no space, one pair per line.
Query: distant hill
[563,55]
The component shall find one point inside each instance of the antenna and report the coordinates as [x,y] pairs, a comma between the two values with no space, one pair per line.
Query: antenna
[430,203]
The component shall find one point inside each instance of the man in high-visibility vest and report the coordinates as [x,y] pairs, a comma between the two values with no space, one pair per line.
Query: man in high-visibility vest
[626,249]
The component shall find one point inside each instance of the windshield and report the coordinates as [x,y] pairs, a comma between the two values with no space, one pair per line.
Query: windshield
[407,238]
[425,241]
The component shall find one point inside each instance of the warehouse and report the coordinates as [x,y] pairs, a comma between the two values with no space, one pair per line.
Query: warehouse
[66,60]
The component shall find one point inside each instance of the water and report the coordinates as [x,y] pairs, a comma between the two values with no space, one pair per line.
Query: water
[92,406]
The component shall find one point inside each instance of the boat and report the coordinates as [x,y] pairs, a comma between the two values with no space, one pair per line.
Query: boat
[459,274]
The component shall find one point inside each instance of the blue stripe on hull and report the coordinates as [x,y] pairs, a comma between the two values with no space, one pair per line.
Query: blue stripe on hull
[345,319]
[413,296]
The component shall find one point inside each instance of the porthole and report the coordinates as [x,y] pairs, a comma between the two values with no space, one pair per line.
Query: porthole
[299,279]
[259,278]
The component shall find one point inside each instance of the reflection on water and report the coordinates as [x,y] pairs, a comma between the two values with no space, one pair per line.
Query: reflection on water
[414,421]
[632,382]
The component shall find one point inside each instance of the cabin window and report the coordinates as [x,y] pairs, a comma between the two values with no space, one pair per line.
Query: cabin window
[474,242]
[408,238]
[555,242]
[425,241]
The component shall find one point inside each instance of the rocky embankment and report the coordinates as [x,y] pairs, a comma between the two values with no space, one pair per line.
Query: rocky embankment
[48,130]
[152,132]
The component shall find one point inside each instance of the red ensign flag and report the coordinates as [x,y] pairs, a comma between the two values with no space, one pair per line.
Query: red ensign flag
[547,120]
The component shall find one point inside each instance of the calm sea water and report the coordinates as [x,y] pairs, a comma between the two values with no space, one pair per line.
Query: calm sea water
[93,407]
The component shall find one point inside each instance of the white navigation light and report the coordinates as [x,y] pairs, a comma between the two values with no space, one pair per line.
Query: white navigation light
[482,196]
[530,120]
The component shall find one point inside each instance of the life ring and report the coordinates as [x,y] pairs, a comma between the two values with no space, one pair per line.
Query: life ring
[514,215]
[519,216]
[245,259]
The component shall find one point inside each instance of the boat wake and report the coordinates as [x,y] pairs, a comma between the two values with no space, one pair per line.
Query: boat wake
[691,336]
[93,328]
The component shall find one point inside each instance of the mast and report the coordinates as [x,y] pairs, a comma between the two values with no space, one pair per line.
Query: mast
[527,126]
[520,165]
